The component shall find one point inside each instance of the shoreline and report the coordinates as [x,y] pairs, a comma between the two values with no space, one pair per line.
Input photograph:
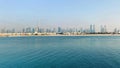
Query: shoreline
[51,34]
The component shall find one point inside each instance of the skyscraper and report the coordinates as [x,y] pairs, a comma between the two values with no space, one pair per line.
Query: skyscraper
[103,29]
[36,29]
[33,30]
[28,30]
[59,30]
[92,29]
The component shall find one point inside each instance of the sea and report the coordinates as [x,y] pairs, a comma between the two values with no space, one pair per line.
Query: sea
[60,52]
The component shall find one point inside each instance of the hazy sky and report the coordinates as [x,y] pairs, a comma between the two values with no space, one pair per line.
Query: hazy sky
[65,13]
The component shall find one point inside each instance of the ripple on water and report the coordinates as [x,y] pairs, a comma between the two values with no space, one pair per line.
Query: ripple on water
[60,52]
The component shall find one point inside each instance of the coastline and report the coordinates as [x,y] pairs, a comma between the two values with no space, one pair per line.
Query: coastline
[50,34]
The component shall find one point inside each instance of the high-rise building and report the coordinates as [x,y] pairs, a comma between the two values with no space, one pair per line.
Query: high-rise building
[36,29]
[28,30]
[23,30]
[92,29]
[54,30]
[13,31]
[116,30]
[41,30]
[81,30]
[59,30]
[33,30]
[103,29]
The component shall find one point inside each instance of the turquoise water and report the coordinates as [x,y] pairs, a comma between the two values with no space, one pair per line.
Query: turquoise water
[60,52]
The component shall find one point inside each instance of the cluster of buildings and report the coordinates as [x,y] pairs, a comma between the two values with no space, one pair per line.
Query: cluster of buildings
[59,30]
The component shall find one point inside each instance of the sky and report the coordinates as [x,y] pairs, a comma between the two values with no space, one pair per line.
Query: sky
[64,13]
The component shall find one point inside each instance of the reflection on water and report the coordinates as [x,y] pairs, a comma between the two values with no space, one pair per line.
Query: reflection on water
[60,52]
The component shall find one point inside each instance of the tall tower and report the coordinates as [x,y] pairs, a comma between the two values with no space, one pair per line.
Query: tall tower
[91,29]
[105,29]
[102,29]
[59,30]
[37,29]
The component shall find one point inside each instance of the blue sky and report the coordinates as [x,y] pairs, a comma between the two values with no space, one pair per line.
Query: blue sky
[66,13]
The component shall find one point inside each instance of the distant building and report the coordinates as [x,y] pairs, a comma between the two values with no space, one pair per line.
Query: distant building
[13,31]
[48,30]
[3,31]
[59,30]
[54,30]
[33,30]
[23,30]
[81,30]
[36,29]
[103,29]
[41,30]
[28,30]
[116,31]
[92,29]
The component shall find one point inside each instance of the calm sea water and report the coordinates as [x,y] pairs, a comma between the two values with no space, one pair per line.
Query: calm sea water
[60,52]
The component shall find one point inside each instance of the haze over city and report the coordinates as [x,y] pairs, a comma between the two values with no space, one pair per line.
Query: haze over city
[59,34]
[64,13]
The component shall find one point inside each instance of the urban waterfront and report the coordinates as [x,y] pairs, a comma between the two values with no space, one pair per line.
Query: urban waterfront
[60,52]
[91,31]
[59,34]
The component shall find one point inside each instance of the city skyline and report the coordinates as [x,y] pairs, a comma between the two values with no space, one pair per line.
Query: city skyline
[64,13]
[90,29]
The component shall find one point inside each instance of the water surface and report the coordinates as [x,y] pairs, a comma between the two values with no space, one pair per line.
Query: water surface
[60,52]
